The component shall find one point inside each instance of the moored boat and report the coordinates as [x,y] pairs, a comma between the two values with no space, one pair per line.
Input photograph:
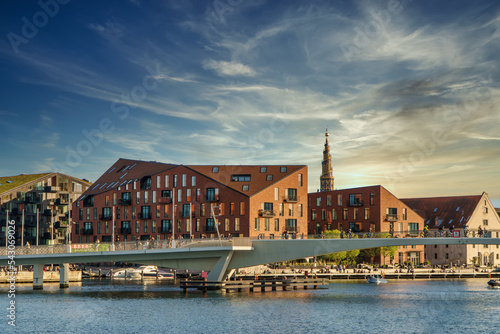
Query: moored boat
[376,279]
[494,283]
[143,272]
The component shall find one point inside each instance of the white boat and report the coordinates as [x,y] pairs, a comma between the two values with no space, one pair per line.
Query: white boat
[376,279]
[494,283]
[143,272]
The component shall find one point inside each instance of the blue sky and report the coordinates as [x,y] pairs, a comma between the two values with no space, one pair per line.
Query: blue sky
[408,89]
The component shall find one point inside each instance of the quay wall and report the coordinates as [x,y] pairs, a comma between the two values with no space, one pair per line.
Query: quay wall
[48,276]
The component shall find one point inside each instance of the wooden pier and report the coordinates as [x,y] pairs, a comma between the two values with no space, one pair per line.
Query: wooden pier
[256,285]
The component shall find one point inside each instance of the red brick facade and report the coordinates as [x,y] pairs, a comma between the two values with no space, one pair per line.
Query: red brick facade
[363,208]
[247,200]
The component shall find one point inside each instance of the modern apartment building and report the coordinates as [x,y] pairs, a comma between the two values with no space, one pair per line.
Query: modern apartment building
[145,200]
[38,202]
[367,209]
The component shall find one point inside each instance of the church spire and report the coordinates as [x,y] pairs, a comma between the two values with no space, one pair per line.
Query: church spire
[326,179]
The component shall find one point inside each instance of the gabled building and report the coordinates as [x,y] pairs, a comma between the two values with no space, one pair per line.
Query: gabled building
[456,212]
[35,202]
[147,199]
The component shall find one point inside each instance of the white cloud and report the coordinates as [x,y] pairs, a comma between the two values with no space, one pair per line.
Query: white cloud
[229,68]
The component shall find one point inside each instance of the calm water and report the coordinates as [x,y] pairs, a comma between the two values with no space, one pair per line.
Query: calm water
[459,306]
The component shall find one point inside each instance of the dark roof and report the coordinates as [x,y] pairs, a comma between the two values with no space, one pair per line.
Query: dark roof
[126,171]
[444,211]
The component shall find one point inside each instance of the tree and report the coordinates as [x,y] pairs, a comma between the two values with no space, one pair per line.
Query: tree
[346,257]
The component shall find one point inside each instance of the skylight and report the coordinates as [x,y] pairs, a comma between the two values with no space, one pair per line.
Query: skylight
[123,175]
[97,185]
[458,208]
[132,166]
[112,169]
[435,209]
[103,185]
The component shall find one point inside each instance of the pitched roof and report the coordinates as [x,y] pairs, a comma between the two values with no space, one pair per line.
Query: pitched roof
[230,175]
[126,171]
[10,182]
[444,211]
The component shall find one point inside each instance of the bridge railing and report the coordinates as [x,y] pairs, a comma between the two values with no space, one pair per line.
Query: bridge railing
[456,233]
[123,245]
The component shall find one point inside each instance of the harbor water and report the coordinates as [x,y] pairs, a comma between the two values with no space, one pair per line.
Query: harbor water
[400,306]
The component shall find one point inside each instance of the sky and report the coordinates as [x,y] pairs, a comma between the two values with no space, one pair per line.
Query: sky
[409,90]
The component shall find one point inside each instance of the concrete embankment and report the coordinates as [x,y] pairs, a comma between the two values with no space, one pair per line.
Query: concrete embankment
[48,276]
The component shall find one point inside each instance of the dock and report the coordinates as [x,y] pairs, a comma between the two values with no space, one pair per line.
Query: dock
[259,284]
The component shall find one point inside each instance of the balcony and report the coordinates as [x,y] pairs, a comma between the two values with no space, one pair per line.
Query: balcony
[212,198]
[291,228]
[356,203]
[124,201]
[87,231]
[266,213]
[61,201]
[291,199]
[48,213]
[50,189]
[391,217]
[165,200]
[125,230]
[32,199]
[106,216]
[144,215]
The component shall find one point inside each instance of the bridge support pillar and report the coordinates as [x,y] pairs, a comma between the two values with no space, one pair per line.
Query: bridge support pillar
[218,272]
[64,275]
[38,277]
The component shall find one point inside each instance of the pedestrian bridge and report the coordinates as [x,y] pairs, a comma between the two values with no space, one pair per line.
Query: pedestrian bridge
[219,257]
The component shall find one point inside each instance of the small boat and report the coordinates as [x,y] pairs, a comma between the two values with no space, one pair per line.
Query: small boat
[494,283]
[143,272]
[376,279]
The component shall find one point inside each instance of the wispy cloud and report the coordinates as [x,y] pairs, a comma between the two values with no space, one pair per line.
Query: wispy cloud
[229,68]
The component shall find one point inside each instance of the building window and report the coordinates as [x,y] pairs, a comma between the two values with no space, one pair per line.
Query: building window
[106,227]
[240,178]
[339,199]
[355,199]
[175,181]
[236,224]
[334,214]
[291,225]
[193,181]
[313,214]
[198,192]
[290,209]
[165,226]
[179,195]
[146,197]
[328,200]
[283,169]
[282,209]
[197,225]
[186,210]
[166,181]
[242,208]
[300,208]
[372,199]
[226,224]
[323,214]
[95,213]
[367,213]
[276,194]
[184,180]
[88,213]
[405,217]
[138,198]
[291,194]
[266,224]
[137,227]
[158,181]
[212,194]
[301,182]
[179,227]
[153,227]
[106,200]
[413,228]
[188,195]
[244,187]
[269,177]
[344,214]
[202,209]
[117,213]
[318,201]
[356,214]
[257,224]
[276,224]
[485,222]
[231,208]
[215,169]
[146,183]
[133,212]
[145,226]
[98,227]
[263,169]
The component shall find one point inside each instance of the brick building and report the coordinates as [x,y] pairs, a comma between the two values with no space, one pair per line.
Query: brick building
[365,208]
[38,200]
[145,199]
